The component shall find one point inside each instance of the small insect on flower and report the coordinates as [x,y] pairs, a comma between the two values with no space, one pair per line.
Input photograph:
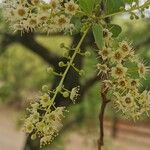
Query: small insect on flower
[74,93]
[142,70]
[119,71]
[71,7]
[107,35]
[125,48]
[45,100]
[105,53]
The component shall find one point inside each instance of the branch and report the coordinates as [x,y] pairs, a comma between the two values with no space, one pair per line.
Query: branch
[29,42]
[104,92]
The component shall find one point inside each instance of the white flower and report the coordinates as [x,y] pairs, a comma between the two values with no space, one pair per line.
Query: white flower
[62,22]
[117,56]
[35,117]
[119,71]
[122,83]
[128,101]
[45,100]
[74,93]
[40,126]
[32,23]
[71,7]
[28,127]
[43,17]
[55,5]
[20,12]
[142,70]
[103,68]
[105,53]
[45,140]
[135,93]
[134,83]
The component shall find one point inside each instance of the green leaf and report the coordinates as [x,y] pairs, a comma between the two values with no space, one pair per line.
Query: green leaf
[77,23]
[98,35]
[115,29]
[88,5]
[113,6]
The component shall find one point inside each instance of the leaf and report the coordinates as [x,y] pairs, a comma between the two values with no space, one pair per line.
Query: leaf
[88,5]
[115,29]
[98,35]
[113,6]
[77,23]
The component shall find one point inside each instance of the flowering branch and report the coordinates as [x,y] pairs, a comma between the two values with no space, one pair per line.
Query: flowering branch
[44,116]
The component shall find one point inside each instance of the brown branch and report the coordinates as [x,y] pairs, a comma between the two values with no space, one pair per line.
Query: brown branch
[104,92]
[29,42]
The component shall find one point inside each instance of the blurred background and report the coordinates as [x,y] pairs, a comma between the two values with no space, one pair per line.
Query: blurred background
[23,63]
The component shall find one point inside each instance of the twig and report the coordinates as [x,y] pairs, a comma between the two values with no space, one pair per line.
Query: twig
[104,92]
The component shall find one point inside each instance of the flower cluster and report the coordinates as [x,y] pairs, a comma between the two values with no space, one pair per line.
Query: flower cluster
[42,122]
[43,119]
[123,71]
[30,15]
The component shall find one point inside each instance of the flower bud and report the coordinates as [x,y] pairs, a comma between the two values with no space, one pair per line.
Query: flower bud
[87,54]
[81,72]
[33,136]
[66,94]
[50,70]
[45,88]
[61,64]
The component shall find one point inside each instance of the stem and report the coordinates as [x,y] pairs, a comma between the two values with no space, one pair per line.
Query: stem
[104,92]
[69,65]
[129,10]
